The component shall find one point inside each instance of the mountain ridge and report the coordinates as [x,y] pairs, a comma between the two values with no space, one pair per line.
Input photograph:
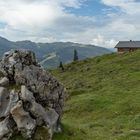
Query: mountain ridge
[63,50]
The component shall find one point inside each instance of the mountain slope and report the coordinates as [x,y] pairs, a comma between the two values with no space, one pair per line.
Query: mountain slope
[63,51]
[104,98]
[5,45]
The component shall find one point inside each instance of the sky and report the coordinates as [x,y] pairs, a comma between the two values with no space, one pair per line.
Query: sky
[97,22]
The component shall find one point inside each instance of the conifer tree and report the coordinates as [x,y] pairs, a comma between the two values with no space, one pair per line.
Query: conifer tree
[75,55]
[61,66]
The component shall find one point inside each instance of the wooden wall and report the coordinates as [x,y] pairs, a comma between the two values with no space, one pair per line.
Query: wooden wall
[122,50]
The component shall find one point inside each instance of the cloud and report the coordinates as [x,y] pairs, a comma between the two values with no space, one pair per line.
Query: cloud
[128,6]
[101,41]
[37,19]
[33,13]
[49,20]
[29,15]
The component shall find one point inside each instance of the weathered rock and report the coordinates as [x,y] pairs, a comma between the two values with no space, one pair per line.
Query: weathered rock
[50,117]
[23,120]
[4,101]
[7,101]
[6,128]
[26,95]
[39,101]
[47,90]
[14,98]
[4,81]
[16,59]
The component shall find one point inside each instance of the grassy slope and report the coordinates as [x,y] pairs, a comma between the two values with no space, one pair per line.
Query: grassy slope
[104,101]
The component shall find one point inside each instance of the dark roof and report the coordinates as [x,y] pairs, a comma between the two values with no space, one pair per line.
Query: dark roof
[128,44]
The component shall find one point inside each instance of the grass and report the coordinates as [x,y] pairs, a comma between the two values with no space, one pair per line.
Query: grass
[103,98]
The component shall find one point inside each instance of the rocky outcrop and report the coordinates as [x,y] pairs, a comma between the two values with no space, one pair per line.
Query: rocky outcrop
[29,96]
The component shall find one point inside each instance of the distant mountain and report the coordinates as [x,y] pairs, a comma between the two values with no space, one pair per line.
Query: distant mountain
[50,54]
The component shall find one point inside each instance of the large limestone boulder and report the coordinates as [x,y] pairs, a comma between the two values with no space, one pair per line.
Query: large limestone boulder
[29,96]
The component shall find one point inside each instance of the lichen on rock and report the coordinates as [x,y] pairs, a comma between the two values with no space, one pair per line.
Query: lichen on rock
[38,101]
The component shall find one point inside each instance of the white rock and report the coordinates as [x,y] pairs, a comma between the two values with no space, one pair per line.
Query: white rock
[6,128]
[26,95]
[12,61]
[6,53]
[4,101]
[50,117]
[14,98]
[23,120]
[4,81]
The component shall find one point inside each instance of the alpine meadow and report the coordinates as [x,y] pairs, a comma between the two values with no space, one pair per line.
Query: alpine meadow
[69,69]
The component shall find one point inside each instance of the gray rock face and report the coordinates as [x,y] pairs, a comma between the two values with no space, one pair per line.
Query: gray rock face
[29,96]
[6,128]
[26,95]
[4,81]
[23,120]
[49,116]
[4,101]
[14,98]
[16,59]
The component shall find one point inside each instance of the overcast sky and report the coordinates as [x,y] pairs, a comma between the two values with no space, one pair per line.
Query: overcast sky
[99,22]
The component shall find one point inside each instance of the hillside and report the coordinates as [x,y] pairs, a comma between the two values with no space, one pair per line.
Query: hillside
[104,98]
[50,54]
